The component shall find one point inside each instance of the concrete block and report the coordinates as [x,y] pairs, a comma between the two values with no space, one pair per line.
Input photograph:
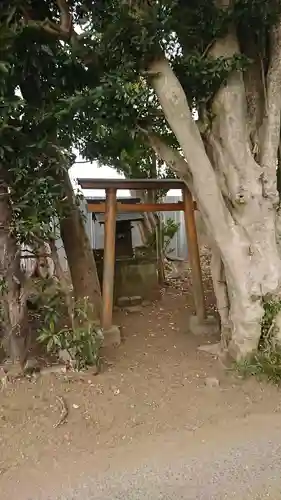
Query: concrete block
[213,349]
[209,326]
[133,309]
[136,300]
[123,301]
[146,303]
[212,382]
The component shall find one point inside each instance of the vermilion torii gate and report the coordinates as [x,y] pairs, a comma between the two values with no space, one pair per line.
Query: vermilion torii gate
[111,207]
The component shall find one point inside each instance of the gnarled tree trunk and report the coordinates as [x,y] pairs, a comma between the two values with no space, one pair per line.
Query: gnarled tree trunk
[234,187]
[79,253]
[13,293]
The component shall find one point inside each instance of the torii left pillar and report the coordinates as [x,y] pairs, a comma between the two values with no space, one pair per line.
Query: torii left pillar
[111,332]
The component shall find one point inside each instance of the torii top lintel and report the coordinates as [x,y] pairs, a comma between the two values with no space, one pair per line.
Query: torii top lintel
[149,184]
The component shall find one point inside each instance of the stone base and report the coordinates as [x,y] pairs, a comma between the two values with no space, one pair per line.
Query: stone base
[146,303]
[136,300]
[134,276]
[111,337]
[212,382]
[213,349]
[126,302]
[123,302]
[209,326]
[239,352]
[133,309]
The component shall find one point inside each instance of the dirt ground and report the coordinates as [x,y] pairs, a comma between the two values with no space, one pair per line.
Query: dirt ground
[153,383]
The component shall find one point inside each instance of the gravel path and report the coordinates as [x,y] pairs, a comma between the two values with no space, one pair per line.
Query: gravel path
[239,460]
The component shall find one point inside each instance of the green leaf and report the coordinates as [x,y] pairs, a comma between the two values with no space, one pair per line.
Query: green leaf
[50,345]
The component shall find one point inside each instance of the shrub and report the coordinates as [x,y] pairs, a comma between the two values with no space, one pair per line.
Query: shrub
[81,339]
[266,362]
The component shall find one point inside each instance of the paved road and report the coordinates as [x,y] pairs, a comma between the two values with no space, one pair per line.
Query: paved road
[239,460]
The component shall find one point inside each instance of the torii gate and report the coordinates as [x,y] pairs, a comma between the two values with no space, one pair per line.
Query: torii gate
[111,207]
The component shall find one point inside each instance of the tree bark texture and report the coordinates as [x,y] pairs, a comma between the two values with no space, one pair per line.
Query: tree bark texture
[233,183]
[13,293]
[79,253]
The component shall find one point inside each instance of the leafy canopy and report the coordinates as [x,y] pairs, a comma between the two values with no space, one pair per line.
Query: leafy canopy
[81,69]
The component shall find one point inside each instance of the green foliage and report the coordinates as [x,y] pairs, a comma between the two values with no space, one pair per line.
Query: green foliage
[203,76]
[256,15]
[24,163]
[104,107]
[92,91]
[271,309]
[266,362]
[37,72]
[81,340]
[265,365]
[165,232]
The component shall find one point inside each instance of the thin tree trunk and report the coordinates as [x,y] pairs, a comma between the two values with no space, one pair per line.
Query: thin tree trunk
[156,227]
[79,253]
[142,232]
[144,225]
[63,282]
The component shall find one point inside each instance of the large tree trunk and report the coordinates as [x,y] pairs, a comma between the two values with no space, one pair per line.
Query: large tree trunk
[14,314]
[79,253]
[236,196]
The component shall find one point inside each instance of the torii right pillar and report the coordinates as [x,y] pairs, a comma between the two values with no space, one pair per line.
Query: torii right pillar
[193,250]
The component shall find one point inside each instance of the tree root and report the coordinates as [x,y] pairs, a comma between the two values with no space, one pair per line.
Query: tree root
[64,412]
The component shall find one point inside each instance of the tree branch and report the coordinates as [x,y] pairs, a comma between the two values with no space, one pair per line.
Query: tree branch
[170,156]
[65,16]
[179,165]
[230,128]
[206,190]
[64,30]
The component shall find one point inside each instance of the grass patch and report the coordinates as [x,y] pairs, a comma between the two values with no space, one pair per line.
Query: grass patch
[264,364]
